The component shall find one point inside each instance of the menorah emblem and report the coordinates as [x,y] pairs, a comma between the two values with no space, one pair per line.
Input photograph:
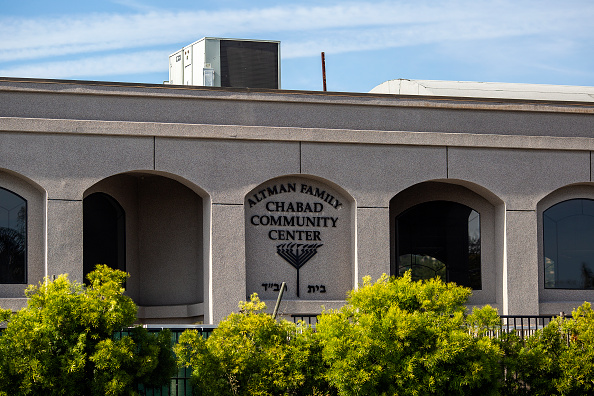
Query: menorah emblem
[297,254]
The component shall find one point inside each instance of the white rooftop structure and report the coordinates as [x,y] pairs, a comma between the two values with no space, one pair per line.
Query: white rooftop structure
[473,89]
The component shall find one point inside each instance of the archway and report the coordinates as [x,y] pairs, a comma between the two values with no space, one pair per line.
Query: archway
[451,226]
[158,219]
[565,235]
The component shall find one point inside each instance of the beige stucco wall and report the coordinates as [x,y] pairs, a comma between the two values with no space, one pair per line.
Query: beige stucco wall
[62,140]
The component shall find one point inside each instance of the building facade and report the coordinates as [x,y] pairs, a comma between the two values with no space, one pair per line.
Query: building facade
[206,195]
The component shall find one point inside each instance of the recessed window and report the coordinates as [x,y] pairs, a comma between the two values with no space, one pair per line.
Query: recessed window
[440,239]
[568,229]
[13,238]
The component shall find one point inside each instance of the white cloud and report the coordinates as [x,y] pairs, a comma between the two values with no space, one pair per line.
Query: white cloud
[125,63]
[46,37]
[303,30]
[346,40]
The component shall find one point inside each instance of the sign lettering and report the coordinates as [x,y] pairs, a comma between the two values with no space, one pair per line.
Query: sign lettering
[298,231]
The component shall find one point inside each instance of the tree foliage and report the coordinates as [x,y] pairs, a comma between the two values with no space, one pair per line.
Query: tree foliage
[399,337]
[250,353]
[62,342]
[393,337]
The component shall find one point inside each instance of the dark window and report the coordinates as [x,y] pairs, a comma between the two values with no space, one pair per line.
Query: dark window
[104,237]
[13,238]
[568,229]
[440,238]
[249,64]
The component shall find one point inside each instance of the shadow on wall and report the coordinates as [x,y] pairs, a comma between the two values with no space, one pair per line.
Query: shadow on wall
[156,235]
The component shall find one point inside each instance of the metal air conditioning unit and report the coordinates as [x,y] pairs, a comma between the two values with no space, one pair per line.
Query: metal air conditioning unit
[221,62]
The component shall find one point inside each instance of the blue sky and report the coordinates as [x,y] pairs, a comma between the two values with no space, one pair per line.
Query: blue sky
[366,42]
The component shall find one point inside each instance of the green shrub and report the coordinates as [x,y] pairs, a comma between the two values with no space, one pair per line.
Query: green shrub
[250,353]
[399,337]
[556,360]
[511,345]
[539,360]
[61,343]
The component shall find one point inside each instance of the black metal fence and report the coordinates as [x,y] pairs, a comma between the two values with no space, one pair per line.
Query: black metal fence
[310,319]
[523,325]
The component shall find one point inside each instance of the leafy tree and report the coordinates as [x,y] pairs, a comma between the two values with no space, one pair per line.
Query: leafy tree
[62,343]
[399,337]
[250,353]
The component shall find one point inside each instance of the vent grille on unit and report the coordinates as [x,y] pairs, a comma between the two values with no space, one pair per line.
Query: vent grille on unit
[249,64]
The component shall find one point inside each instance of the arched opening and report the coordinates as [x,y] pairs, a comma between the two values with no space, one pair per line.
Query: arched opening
[151,225]
[440,239]
[565,252]
[453,229]
[104,233]
[13,238]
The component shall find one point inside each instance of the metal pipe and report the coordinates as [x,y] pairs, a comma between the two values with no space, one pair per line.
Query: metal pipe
[324,70]
[278,300]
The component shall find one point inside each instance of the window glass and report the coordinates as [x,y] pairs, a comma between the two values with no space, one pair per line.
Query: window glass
[440,238]
[13,238]
[568,230]
[104,238]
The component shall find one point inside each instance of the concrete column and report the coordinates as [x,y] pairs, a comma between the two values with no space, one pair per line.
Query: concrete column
[228,278]
[373,242]
[521,267]
[500,259]
[65,238]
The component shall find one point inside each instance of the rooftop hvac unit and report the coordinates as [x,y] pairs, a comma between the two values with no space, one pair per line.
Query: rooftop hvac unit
[220,62]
